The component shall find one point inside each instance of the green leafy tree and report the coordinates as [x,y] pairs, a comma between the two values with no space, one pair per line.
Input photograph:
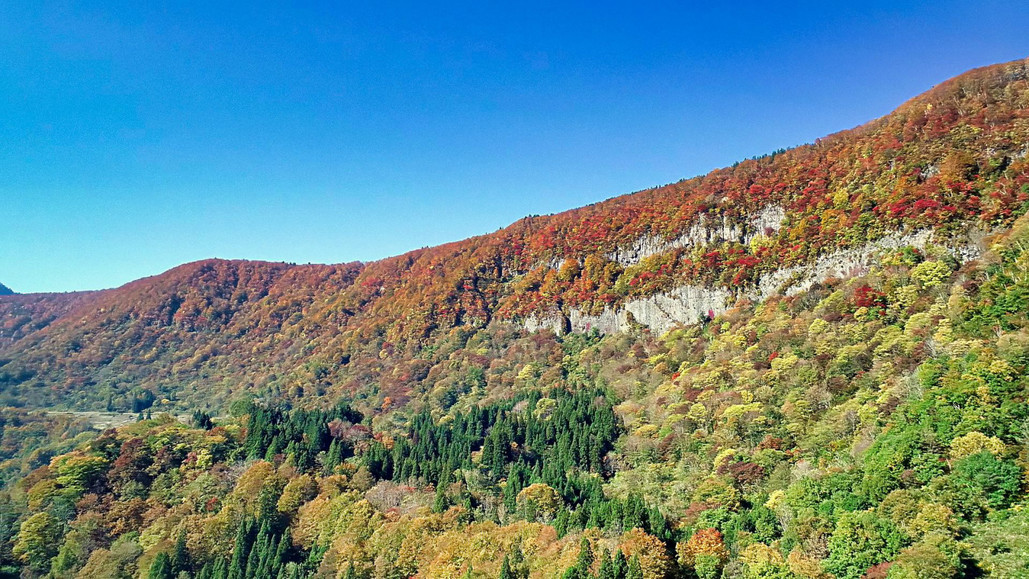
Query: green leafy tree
[38,540]
[997,480]
[861,539]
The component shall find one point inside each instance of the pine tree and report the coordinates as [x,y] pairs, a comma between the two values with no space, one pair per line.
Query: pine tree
[620,568]
[240,550]
[658,525]
[220,570]
[561,523]
[251,569]
[180,556]
[161,567]
[334,456]
[442,500]
[505,569]
[632,516]
[634,571]
[607,570]
[282,552]
[585,559]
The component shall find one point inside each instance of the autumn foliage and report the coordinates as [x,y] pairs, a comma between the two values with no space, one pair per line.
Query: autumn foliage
[397,419]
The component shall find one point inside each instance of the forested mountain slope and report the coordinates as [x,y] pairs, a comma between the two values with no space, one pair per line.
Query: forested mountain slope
[870,427]
[812,364]
[946,167]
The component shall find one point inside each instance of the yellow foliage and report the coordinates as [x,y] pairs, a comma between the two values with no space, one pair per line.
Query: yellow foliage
[646,431]
[917,322]
[651,552]
[42,493]
[723,456]
[714,490]
[817,327]
[698,412]
[735,411]
[805,566]
[975,442]
[297,492]
[776,499]
[929,274]
[540,499]
[759,556]
[933,518]
[891,340]
[785,363]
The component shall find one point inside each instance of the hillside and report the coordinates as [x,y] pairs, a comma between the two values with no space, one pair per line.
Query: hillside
[947,166]
[808,365]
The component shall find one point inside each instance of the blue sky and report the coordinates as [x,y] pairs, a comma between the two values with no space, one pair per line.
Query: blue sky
[135,138]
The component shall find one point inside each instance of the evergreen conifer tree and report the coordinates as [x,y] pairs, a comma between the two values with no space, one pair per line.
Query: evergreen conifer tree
[607,569]
[161,567]
[180,556]
[505,569]
[620,568]
[584,562]
[442,500]
[635,571]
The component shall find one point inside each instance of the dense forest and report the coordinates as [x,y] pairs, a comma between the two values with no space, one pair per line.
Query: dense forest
[399,419]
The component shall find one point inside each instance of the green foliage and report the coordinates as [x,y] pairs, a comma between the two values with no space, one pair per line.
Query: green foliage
[984,479]
[860,425]
[861,539]
[161,568]
[572,436]
[1001,547]
[934,557]
[38,541]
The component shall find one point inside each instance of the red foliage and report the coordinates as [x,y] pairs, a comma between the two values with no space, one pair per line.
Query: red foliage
[255,324]
[867,297]
[879,571]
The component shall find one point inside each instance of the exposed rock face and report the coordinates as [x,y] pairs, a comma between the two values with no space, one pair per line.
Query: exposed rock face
[553,321]
[768,219]
[607,322]
[703,231]
[661,312]
[688,304]
[857,261]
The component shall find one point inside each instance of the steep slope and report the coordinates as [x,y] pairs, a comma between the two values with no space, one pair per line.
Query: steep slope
[167,328]
[5,291]
[24,315]
[861,428]
[945,168]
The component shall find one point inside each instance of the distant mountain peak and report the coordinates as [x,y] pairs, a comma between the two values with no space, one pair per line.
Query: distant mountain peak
[5,291]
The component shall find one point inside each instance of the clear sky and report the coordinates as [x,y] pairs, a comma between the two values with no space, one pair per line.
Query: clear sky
[136,136]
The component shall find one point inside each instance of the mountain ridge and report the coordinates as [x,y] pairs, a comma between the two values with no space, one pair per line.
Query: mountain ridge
[946,163]
[812,365]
